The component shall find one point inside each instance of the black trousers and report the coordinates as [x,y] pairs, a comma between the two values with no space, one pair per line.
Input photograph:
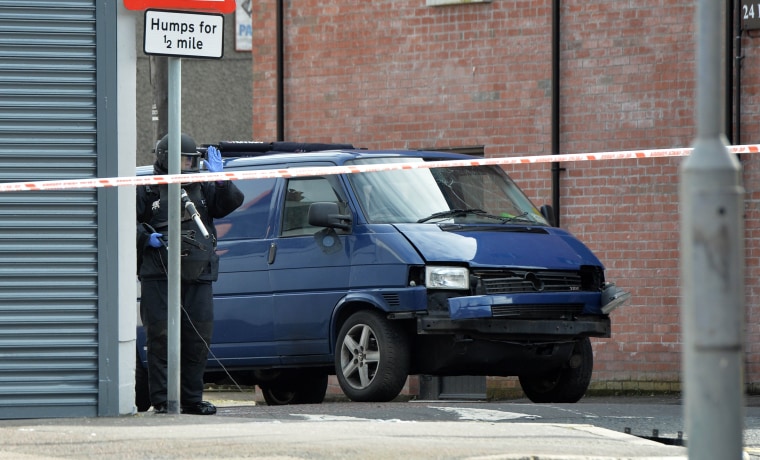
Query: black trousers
[196,328]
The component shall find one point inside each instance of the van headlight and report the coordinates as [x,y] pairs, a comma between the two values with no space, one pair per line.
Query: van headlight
[447,278]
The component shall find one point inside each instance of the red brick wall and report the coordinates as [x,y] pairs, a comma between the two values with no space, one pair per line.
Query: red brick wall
[398,74]
[749,93]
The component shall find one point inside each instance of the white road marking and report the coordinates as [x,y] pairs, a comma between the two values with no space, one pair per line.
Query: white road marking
[464,413]
[485,415]
[341,418]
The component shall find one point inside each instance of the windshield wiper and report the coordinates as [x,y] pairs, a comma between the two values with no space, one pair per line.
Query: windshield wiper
[523,216]
[504,219]
[450,213]
[479,212]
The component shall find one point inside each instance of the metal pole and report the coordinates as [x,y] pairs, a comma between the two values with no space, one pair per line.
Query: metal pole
[712,264]
[173,333]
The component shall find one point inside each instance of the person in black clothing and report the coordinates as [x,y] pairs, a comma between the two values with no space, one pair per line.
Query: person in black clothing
[199,268]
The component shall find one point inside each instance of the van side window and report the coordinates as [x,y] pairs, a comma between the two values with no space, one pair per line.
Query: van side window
[251,219]
[301,193]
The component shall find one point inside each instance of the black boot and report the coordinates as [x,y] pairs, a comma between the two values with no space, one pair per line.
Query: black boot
[199,408]
[160,408]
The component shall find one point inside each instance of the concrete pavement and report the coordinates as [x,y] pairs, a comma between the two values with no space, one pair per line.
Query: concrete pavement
[198,437]
[151,436]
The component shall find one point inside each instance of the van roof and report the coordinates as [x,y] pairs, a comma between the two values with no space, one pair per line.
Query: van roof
[248,153]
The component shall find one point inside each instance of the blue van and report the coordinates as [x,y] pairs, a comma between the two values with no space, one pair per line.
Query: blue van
[375,276]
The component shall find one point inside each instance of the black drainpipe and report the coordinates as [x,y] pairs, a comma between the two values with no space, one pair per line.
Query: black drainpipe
[280,74]
[555,110]
[737,27]
[729,71]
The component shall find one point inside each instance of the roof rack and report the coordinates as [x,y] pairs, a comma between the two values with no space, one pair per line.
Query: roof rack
[253,148]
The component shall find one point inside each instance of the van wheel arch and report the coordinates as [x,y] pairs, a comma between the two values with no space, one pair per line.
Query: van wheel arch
[343,312]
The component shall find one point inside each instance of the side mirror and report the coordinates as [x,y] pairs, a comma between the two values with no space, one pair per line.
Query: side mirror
[325,214]
[548,212]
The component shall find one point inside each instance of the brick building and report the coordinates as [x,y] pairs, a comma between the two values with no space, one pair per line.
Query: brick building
[478,75]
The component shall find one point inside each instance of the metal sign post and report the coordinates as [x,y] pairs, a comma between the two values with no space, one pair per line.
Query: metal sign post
[712,265]
[179,34]
[173,304]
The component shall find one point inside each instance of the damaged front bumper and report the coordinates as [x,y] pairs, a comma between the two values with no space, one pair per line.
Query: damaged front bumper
[518,329]
[528,316]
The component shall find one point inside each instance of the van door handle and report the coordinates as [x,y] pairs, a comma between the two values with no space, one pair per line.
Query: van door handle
[272,252]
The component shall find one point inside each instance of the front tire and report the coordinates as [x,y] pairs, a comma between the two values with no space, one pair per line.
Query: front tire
[372,357]
[565,385]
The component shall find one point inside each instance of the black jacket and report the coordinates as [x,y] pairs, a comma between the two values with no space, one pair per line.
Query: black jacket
[212,201]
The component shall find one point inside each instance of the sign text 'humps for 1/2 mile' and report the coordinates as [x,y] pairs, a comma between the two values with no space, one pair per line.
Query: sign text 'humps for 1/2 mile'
[173,33]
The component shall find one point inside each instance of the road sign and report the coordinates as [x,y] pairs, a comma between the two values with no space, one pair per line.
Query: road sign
[184,34]
[214,6]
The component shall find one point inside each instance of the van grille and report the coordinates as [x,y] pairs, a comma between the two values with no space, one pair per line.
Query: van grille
[564,312]
[512,281]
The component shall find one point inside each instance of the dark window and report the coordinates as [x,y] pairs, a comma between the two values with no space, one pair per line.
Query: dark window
[251,219]
[301,193]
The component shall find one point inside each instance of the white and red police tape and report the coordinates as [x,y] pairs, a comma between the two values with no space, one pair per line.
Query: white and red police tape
[329,170]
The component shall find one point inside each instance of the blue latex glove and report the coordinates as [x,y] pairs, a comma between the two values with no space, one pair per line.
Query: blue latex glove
[214,159]
[155,240]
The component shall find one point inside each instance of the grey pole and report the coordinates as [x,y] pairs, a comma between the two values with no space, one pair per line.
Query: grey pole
[173,333]
[712,264]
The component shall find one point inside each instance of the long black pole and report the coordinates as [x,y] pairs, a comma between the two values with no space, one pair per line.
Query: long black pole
[737,27]
[280,73]
[729,71]
[555,110]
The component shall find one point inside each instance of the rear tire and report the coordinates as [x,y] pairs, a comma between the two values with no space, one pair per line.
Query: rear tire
[372,357]
[142,392]
[565,385]
[300,388]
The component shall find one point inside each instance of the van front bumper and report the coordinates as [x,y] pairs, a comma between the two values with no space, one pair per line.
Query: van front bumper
[548,316]
[518,329]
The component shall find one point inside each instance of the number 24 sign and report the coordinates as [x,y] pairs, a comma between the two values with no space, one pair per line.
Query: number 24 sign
[750,15]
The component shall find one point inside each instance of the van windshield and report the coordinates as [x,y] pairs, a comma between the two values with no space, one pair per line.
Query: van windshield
[472,194]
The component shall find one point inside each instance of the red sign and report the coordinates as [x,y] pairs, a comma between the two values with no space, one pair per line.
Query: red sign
[213,6]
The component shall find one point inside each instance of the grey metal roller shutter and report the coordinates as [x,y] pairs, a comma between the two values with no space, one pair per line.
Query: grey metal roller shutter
[48,244]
